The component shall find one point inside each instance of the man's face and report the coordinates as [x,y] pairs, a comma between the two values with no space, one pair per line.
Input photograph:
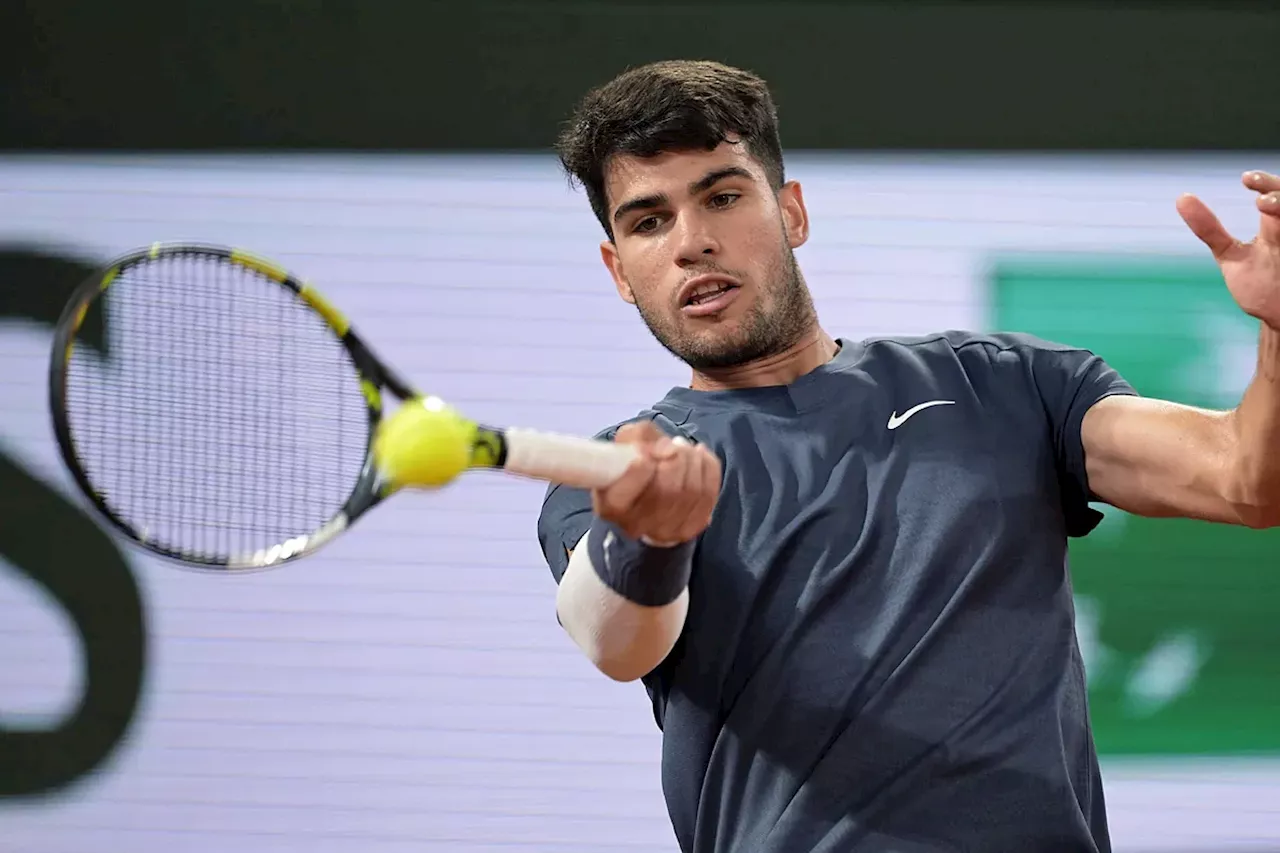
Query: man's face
[703,248]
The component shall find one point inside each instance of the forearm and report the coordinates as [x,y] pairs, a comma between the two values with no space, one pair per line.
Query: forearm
[1255,423]
[624,640]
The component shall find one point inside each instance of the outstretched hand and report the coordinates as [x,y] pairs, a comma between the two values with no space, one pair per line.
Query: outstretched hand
[1251,268]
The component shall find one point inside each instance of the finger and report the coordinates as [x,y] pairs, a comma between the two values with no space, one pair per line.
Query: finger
[1262,182]
[661,504]
[673,514]
[1205,225]
[667,447]
[617,500]
[1270,203]
[639,432]
[704,489]
[1269,228]
[693,515]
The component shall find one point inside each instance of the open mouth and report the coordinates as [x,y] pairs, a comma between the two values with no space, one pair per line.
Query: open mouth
[709,292]
[710,298]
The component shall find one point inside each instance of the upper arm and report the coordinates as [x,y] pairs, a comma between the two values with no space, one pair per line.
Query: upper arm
[1160,459]
[1150,457]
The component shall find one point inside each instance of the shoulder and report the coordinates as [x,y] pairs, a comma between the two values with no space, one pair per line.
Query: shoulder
[993,365]
[955,341]
[659,418]
[976,353]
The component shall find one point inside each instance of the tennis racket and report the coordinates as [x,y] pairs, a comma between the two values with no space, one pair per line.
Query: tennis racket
[239,421]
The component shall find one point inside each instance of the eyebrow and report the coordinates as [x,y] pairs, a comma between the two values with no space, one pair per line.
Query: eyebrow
[706,182]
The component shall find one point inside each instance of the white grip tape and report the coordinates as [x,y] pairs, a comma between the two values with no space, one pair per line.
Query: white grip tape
[584,463]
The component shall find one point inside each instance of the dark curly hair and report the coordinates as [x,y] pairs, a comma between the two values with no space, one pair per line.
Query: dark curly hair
[679,105]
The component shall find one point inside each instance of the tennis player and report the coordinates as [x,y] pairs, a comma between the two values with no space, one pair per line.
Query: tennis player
[839,566]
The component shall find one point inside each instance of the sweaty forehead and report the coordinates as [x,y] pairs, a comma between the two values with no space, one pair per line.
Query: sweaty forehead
[672,173]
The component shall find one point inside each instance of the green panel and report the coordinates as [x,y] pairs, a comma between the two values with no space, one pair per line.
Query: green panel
[1179,620]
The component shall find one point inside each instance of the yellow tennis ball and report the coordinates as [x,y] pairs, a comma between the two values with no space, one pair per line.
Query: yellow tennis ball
[424,444]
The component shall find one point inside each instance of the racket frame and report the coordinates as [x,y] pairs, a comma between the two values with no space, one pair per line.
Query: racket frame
[374,376]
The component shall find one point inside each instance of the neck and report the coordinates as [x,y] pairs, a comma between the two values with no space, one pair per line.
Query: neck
[812,351]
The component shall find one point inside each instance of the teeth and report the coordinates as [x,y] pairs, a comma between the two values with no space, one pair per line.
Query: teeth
[708,289]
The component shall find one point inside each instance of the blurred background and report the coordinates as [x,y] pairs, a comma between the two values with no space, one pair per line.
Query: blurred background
[975,165]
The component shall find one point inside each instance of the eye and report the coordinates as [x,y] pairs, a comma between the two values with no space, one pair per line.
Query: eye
[644,226]
[723,200]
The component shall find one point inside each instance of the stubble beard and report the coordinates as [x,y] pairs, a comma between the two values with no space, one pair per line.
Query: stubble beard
[777,322]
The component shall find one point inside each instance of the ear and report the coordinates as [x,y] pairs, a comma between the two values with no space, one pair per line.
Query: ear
[609,254]
[795,218]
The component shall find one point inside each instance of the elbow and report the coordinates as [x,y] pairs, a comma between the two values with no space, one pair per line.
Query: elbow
[1253,493]
[618,659]
[623,647]
[1256,507]
[623,670]
[1258,515]
[632,662]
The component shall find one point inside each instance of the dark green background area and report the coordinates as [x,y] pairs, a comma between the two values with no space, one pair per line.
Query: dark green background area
[1157,320]
[483,75]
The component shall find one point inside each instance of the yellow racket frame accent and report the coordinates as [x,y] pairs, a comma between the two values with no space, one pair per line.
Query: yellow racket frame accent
[257,264]
[325,309]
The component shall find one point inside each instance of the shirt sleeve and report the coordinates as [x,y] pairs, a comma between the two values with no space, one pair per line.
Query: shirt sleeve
[564,520]
[1070,381]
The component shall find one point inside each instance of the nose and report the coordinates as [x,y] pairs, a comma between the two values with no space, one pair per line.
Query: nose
[697,243]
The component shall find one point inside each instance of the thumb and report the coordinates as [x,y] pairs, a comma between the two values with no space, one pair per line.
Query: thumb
[1205,225]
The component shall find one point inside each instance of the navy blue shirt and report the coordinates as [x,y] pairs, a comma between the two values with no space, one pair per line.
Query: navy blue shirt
[880,650]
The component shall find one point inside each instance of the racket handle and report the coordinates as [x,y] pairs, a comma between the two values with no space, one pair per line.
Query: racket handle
[584,463]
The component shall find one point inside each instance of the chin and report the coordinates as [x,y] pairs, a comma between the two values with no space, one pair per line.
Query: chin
[722,349]
[724,335]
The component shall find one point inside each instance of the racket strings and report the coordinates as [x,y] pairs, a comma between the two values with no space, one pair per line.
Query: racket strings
[228,417]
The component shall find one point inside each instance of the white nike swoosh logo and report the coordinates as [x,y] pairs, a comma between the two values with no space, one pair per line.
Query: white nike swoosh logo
[896,420]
